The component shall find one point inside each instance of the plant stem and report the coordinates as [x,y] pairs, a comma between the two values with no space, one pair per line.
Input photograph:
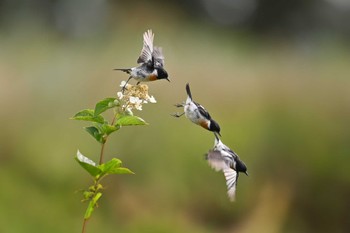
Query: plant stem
[84,224]
[103,145]
[102,151]
[114,118]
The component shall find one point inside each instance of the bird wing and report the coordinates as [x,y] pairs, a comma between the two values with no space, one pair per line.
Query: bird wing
[229,151]
[147,49]
[231,177]
[202,111]
[158,56]
[218,161]
[224,162]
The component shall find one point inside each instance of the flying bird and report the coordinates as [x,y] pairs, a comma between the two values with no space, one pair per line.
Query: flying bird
[222,158]
[151,62]
[197,113]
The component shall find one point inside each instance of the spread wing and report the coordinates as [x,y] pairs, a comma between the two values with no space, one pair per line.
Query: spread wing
[158,56]
[147,49]
[223,162]
[231,177]
[218,161]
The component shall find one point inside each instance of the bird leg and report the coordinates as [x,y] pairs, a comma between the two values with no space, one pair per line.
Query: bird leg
[123,88]
[179,105]
[177,114]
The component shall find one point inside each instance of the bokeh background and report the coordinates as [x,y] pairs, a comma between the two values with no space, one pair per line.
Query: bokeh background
[274,74]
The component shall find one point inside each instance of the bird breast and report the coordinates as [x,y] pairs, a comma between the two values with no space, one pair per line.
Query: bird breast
[191,112]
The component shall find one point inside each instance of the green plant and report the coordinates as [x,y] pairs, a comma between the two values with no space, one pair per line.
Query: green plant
[132,98]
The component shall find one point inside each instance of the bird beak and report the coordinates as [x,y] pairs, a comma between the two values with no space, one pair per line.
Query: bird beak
[168,79]
[246,173]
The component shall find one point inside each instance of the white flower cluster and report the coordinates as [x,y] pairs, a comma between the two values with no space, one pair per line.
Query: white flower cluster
[134,96]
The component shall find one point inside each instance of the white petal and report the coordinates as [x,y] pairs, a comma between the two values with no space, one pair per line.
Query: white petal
[120,95]
[133,99]
[152,99]
[138,107]
[129,112]
[122,84]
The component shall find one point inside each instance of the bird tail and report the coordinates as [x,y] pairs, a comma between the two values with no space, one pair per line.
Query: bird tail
[188,90]
[124,70]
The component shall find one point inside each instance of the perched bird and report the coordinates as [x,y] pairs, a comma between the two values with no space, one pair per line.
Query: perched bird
[151,62]
[197,113]
[222,158]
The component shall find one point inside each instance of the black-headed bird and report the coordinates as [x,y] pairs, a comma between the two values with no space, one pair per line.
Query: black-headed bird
[151,62]
[197,113]
[222,158]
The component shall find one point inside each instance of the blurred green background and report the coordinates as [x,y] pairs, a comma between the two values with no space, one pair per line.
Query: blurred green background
[274,74]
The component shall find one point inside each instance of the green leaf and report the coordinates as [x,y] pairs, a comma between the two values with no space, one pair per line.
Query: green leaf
[108,129]
[95,133]
[92,205]
[110,165]
[121,170]
[88,164]
[101,131]
[88,115]
[127,120]
[104,105]
[114,167]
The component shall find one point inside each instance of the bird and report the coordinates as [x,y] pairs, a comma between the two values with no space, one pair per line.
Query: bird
[197,113]
[222,158]
[151,62]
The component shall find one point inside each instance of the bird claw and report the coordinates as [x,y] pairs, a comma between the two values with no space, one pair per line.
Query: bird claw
[179,105]
[177,114]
